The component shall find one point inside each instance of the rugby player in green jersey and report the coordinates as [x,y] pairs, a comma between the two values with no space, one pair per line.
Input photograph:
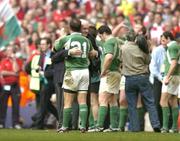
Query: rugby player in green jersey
[171,83]
[76,78]
[110,79]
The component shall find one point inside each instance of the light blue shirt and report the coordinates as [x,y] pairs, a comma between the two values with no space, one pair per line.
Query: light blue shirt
[47,58]
[157,60]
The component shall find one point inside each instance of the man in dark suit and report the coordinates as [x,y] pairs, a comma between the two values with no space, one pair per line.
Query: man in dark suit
[46,81]
[58,66]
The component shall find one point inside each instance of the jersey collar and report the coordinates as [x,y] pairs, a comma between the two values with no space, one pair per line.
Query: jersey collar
[76,33]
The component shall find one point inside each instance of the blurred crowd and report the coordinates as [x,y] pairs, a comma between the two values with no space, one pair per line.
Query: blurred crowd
[50,19]
[40,18]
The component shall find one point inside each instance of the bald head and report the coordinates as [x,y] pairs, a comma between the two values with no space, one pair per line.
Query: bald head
[84,27]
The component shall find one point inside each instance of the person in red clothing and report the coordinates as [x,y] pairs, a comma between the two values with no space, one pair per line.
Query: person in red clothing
[9,77]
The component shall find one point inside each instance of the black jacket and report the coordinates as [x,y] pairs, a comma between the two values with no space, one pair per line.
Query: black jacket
[57,59]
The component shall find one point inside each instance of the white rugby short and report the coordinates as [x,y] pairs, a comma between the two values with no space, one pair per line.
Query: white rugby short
[173,87]
[76,80]
[110,83]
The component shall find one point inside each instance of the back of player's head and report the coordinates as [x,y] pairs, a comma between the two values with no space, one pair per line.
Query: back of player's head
[104,29]
[75,25]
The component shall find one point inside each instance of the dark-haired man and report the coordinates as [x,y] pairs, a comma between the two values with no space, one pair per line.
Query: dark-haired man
[76,78]
[171,82]
[110,79]
[44,71]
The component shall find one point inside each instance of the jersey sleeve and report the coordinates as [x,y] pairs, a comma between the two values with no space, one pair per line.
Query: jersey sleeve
[59,44]
[174,52]
[108,48]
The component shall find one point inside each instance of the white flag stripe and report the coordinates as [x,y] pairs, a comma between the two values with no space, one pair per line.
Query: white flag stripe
[6,12]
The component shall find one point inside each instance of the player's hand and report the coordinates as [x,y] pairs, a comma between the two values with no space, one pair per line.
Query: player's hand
[93,54]
[104,73]
[166,80]
[74,51]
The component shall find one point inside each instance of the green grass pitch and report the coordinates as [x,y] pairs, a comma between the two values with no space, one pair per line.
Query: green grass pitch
[51,135]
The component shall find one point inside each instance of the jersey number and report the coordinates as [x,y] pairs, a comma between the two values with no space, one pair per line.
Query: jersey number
[82,47]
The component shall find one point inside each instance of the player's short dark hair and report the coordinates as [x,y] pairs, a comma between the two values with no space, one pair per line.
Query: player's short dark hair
[168,34]
[104,29]
[75,24]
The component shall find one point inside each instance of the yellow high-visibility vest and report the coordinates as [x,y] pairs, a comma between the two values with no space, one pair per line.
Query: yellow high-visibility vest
[35,77]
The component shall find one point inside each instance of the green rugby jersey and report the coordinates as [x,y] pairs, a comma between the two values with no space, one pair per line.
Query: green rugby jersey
[111,46]
[173,52]
[75,40]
